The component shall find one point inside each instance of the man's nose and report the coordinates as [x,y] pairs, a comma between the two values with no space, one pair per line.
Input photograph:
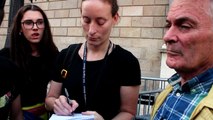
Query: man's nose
[171,35]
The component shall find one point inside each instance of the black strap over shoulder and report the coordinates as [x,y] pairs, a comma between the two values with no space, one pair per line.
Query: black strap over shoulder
[72,49]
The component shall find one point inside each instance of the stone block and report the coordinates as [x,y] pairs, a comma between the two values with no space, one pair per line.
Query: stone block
[68,22]
[143,2]
[154,10]
[70,4]
[50,14]
[165,2]
[159,21]
[125,21]
[61,13]
[133,11]
[55,22]
[75,31]
[74,13]
[124,2]
[152,33]
[55,5]
[142,21]
[130,32]
[60,31]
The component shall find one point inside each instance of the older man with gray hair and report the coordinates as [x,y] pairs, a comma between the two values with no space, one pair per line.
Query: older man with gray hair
[189,41]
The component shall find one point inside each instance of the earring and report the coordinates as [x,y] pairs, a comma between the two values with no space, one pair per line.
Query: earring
[20,33]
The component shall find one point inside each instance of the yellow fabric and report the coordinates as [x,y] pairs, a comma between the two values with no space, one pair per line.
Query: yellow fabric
[204,110]
[33,106]
[43,116]
[160,99]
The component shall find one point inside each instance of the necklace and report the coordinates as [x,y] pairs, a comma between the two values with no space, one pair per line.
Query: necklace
[84,69]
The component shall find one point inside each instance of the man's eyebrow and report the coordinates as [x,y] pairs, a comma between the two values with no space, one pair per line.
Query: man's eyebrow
[184,19]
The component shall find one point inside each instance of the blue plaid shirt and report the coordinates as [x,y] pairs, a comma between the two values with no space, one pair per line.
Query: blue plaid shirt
[181,102]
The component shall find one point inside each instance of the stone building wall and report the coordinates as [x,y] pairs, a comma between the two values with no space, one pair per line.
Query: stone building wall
[140,29]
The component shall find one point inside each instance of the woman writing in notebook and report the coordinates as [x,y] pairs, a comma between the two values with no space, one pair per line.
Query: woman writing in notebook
[102,78]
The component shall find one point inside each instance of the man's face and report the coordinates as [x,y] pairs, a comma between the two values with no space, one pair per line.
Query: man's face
[189,36]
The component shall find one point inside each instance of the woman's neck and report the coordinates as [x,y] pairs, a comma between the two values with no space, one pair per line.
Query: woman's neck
[35,51]
[96,52]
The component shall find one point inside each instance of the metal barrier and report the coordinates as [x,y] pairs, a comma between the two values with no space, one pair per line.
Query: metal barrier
[150,88]
[152,83]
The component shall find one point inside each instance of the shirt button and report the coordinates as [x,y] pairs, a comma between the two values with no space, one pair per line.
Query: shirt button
[177,94]
[193,90]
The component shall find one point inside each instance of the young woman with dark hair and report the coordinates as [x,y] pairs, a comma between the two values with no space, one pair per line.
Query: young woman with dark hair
[33,50]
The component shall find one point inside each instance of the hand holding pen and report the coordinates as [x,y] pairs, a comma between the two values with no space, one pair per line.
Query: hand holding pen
[68,99]
[63,105]
[67,96]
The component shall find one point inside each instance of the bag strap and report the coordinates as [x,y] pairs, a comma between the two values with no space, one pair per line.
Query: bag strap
[68,59]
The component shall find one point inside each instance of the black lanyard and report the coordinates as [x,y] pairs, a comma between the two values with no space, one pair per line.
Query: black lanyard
[84,69]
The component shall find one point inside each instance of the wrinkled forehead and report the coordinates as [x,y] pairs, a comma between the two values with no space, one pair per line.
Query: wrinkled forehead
[195,8]
[201,5]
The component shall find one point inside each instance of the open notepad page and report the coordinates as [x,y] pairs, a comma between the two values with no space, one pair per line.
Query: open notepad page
[76,116]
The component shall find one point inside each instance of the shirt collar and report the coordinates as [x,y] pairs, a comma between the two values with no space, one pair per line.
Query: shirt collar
[200,82]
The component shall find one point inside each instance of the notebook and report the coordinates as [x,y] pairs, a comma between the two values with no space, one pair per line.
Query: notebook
[75,116]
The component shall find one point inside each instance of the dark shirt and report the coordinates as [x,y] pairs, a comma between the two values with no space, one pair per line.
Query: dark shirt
[103,80]
[9,75]
[33,87]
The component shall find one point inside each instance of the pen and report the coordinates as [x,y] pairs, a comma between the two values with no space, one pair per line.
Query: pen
[68,99]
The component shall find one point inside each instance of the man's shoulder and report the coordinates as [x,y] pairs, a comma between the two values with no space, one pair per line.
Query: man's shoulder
[204,109]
